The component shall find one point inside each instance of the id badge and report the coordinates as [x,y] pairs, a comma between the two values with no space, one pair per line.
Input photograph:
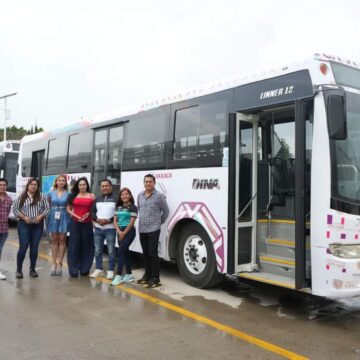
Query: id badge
[57,215]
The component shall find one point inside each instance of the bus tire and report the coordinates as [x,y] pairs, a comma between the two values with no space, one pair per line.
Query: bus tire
[196,258]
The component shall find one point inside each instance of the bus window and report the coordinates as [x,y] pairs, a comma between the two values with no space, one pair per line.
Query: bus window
[186,133]
[79,152]
[56,155]
[200,131]
[99,156]
[283,169]
[37,164]
[145,140]
[115,157]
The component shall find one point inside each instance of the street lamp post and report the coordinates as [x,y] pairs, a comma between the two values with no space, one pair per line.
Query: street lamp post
[5,114]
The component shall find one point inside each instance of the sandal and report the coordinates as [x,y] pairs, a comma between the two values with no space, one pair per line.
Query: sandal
[59,268]
[53,270]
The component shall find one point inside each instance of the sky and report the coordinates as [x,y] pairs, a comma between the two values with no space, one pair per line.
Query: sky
[74,59]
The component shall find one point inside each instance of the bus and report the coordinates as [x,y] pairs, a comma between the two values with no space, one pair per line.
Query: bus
[9,152]
[261,174]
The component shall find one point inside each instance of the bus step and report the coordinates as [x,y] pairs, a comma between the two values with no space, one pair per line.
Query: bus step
[269,278]
[280,248]
[283,248]
[277,265]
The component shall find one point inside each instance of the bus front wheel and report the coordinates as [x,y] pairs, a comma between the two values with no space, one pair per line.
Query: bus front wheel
[196,258]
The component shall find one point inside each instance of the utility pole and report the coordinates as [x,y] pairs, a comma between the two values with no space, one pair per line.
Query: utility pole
[6,114]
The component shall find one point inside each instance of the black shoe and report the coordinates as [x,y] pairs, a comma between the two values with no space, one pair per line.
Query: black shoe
[19,275]
[153,283]
[33,273]
[143,280]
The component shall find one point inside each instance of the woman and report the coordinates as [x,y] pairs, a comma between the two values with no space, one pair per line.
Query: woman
[58,222]
[81,243]
[124,221]
[30,208]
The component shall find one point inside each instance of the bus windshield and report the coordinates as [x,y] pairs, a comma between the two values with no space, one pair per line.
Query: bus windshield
[346,180]
[346,75]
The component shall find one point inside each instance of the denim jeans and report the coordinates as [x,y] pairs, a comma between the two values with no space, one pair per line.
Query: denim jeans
[124,253]
[3,237]
[99,236]
[29,236]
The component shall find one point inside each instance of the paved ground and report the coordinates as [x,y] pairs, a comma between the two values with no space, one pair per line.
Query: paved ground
[62,318]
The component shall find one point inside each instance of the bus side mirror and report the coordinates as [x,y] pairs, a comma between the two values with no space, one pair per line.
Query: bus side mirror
[336,115]
[2,162]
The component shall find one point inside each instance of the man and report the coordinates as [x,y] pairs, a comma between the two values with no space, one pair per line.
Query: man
[102,214]
[153,211]
[5,206]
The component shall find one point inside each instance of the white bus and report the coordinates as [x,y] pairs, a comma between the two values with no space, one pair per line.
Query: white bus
[9,153]
[262,174]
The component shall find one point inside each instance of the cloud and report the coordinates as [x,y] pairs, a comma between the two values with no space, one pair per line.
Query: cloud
[76,59]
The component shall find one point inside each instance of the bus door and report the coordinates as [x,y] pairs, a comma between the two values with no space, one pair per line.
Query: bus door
[11,159]
[246,192]
[37,165]
[108,155]
[273,194]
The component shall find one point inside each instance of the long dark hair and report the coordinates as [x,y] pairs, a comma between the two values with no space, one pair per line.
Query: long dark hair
[75,189]
[120,202]
[24,195]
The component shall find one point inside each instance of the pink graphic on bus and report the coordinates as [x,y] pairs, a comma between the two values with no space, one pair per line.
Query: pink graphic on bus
[200,212]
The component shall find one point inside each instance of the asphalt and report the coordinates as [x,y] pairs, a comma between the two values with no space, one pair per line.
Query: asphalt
[62,318]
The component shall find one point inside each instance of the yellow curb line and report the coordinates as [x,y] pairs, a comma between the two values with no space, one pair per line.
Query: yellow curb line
[214,324]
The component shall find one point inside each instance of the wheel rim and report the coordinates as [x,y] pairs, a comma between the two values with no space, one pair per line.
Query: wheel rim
[195,254]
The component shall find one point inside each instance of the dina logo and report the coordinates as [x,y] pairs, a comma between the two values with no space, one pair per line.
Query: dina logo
[204,184]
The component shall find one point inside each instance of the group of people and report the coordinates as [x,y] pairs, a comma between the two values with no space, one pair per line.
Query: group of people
[88,221]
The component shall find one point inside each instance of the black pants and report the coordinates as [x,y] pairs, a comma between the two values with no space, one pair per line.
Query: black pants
[81,248]
[149,243]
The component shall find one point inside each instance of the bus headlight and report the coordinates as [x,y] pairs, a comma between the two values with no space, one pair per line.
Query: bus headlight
[345,251]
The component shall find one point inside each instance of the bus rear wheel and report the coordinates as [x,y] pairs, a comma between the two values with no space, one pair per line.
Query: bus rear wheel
[196,258]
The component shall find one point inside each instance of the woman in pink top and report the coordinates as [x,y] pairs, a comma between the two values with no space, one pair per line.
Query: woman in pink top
[81,243]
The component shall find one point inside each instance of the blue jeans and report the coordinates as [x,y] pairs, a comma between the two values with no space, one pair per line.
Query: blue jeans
[124,253]
[3,237]
[81,248]
[99,236]
[29,236]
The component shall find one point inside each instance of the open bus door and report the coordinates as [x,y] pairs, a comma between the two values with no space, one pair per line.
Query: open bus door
[272,163]
[246,192]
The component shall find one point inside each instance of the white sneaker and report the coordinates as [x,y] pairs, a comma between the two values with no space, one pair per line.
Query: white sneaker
[2,276]
[110,275]
[128,278]
[96,273]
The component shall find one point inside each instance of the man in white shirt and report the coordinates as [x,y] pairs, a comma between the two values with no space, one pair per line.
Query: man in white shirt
[102,214]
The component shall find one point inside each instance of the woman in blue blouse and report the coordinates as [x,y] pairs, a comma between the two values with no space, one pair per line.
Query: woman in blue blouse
[58,222]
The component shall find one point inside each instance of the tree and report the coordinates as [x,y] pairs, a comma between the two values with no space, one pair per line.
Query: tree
[285,151]
[15,133]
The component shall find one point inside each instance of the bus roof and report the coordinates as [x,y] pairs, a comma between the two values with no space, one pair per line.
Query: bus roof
[221,85]
[207,89]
